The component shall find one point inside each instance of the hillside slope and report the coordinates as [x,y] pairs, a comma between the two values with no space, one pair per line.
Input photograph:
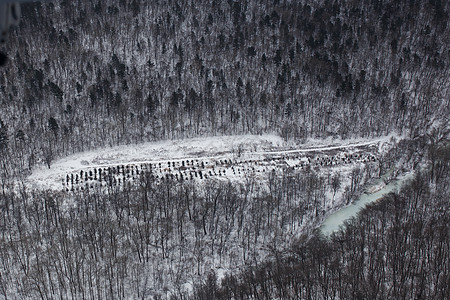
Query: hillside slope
[89,74]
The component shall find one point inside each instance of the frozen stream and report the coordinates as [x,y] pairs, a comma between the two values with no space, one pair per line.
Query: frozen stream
[336,220]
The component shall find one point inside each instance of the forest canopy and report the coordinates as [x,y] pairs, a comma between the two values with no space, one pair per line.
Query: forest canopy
[85,75]
[89,74]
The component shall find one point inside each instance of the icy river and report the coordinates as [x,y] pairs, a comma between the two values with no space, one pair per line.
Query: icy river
[337,219]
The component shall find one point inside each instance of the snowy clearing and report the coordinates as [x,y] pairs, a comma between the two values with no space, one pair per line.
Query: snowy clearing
[230,157]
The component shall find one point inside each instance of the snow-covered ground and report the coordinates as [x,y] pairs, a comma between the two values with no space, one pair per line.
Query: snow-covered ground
[230,157]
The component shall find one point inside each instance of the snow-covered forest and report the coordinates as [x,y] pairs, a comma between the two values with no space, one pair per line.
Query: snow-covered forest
[397,248]
[85,74]
[89,75]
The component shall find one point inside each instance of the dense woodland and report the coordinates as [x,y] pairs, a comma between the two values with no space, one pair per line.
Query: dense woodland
[155,239]
[397,248]
[89,74]
[85,74]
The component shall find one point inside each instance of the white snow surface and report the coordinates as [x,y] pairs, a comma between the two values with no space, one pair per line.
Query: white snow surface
[241,148]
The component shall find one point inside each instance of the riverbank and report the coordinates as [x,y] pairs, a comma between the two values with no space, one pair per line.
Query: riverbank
[336,220]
